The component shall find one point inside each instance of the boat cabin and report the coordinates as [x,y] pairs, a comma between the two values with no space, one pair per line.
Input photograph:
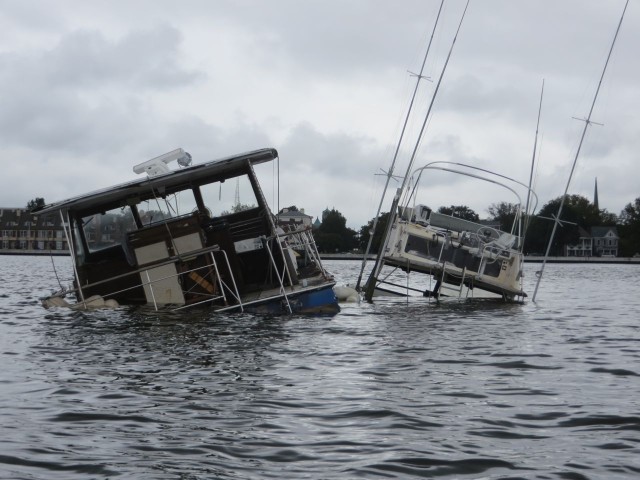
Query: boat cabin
[182,238]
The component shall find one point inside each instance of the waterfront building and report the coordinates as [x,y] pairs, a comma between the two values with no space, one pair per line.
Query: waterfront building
[294,219]
[598,242]
[22,232]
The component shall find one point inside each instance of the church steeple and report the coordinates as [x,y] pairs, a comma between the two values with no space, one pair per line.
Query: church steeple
[595,196]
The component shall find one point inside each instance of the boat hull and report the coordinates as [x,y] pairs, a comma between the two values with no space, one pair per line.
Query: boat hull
[320,301]
[467,268]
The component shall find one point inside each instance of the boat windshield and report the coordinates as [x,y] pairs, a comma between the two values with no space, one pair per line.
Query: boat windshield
[230,196]
[157,210]
[107,229]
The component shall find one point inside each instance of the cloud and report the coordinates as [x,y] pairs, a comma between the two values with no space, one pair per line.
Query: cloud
[321,170]
[89,89]
[141,59]
[75,95]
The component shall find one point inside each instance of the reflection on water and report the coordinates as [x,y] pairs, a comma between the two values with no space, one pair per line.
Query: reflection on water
[394,389]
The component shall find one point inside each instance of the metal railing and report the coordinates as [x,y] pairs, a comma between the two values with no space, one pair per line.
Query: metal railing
[231,289]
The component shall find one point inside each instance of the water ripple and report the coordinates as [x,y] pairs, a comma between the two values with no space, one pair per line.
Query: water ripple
[385,390]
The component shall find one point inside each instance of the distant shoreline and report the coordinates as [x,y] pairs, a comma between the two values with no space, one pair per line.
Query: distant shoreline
[39,253]
[355,256]
[527,259]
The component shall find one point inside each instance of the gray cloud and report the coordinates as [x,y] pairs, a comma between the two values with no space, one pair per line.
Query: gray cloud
[90,89]
[141,59]
[84,93]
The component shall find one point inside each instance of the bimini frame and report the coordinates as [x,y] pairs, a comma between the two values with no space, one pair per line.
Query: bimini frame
[516,228]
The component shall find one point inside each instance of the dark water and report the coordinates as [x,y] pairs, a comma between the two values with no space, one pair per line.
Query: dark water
[392,390]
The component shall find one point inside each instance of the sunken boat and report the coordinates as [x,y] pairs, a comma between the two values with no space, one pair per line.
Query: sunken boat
[133,243]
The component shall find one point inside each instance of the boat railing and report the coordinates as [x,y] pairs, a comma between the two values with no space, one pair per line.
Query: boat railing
[301,239]
[285,270]
[226,288]
[223,285]
[469,233]
[484,175]
[150,283]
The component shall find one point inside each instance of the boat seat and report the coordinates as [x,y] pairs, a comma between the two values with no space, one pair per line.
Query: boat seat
[419,214]
[422,213]
[454,224]
[506,241]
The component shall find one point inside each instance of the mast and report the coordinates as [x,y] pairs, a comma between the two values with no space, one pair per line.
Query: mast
[419,77]
[370,286]
[587,122]
[527,215]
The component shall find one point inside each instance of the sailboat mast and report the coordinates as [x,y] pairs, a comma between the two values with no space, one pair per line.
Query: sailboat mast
[533,163]
[419,77]
[587,122]
[407,174]
[396,200]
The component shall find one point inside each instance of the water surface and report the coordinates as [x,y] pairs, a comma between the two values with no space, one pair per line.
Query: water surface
[394,389]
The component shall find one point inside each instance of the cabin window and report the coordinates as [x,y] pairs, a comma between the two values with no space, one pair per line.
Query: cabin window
[108,229]
[230,196]
[159,209]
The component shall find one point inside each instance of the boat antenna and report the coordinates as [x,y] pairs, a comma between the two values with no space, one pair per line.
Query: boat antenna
[587,122]
[396,199]
[533,163]
[389,174]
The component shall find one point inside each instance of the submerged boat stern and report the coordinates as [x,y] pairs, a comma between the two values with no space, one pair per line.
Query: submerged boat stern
[457,253]
[131,243]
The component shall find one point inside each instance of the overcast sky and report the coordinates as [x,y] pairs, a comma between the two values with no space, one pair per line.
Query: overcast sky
[90,89]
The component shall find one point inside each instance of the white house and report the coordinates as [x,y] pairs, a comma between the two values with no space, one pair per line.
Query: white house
[601,241]
[293,219]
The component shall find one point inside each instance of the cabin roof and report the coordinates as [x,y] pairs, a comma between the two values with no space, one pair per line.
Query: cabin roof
[174,181]
[602,231]
[292,214]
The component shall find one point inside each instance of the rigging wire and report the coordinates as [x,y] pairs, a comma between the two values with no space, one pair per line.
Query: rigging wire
[533,167]
[392,213]
[55,271]
[587,122]
[419,77]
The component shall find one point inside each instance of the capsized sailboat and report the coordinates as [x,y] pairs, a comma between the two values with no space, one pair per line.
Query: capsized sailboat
[460,257]
[135,243]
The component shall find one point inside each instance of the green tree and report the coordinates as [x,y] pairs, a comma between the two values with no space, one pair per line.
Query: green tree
[630,215]
[35,203]
[238,207]
[505,213]
[577,210]
[333,235]
[365,233]
[607,218]
[629,229]
[460,211]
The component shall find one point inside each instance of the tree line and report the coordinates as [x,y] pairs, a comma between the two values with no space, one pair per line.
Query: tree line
[578,215]
[334,236]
